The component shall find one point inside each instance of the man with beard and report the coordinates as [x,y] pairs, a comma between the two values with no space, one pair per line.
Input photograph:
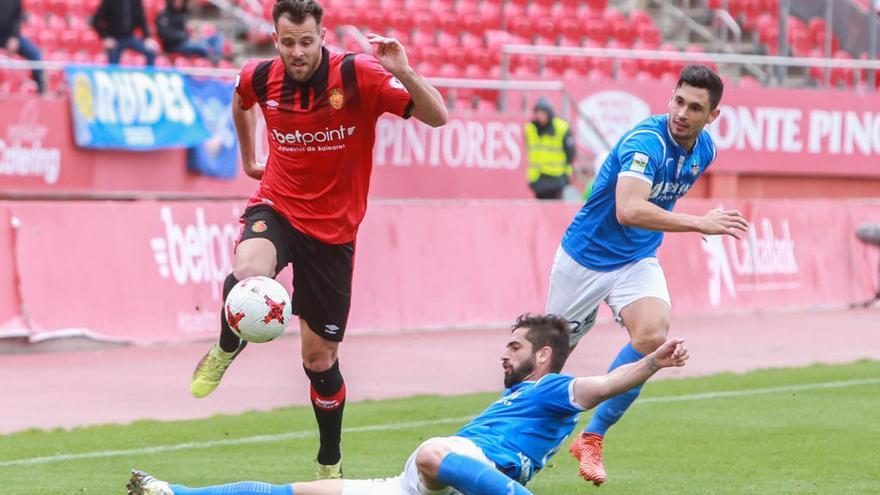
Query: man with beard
[500,450]
[320,109]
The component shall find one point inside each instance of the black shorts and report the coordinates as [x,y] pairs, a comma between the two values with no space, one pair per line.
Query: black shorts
[321,272]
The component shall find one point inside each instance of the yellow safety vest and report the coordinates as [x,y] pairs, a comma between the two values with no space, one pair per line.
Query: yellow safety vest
[546,152]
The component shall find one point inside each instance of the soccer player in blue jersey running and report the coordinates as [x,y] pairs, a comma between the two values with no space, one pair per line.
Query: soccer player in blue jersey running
[609,251]
[500,450]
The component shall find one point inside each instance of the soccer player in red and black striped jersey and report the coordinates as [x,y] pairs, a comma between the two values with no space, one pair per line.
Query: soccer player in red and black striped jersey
[320,109]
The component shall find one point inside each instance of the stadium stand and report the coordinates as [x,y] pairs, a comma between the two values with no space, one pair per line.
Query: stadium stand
[462,38]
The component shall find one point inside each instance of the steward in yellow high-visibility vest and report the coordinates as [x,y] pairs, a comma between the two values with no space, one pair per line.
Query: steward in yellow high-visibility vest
[551,151]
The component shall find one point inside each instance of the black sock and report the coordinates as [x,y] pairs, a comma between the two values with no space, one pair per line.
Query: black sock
[229,342]
[328,401]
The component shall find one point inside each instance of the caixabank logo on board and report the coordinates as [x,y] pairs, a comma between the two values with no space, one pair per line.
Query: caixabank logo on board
[765,260]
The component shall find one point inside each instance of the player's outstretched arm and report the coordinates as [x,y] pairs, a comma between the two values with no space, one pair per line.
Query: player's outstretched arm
[428,104]
[634,210]
[246,128]
[590,391]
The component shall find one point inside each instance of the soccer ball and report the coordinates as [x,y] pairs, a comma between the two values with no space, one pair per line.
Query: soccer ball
[257,309]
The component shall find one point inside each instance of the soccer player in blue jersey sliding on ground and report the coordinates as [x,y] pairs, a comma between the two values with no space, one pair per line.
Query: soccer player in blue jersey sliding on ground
[609,251]
[500,450]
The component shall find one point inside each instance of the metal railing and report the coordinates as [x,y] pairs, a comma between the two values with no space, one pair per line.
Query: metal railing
[696,57]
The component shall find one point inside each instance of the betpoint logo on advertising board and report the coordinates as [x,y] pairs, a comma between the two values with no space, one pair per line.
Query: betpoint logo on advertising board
[763,261]
[21,148]
[195,253]
[611,114]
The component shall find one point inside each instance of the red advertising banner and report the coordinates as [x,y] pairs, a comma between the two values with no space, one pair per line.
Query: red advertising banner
[473,156]
[153,271]
[11,324]
[759,130]
[796,254]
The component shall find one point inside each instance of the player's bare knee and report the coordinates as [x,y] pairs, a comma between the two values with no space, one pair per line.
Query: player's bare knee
[253,266]
[649,341]
[319,360]
[428,459]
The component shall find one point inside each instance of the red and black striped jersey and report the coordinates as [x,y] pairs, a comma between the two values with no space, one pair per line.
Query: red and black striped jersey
[320,134]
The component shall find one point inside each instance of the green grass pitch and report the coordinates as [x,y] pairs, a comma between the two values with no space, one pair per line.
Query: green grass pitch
[810,430]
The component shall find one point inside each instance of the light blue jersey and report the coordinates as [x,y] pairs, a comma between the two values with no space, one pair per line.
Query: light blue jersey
[526,426]
[595,238]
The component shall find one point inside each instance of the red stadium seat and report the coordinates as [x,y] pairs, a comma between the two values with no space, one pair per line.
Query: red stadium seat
[623,32]
[34,6]
[490,15]
[55,22]
[421,38]
[521,26]
[67,37]
[35,21]
[531,62]
[598,32]
[612,16]
[78,9]
[57,7]
[547,29]
[430,54]
[571,29]
[639,17]
[649,34]
[449,70]
[78,23]
[447,40]
[90,42]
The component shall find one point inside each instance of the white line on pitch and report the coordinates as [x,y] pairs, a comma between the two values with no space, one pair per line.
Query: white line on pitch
[408,425]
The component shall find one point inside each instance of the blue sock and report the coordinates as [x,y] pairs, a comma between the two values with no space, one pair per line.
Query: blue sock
[472,477]
[240,488]
[611,410]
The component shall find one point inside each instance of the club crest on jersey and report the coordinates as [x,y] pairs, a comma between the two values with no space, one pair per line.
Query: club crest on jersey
[337,98]
[259,226]
[695,167]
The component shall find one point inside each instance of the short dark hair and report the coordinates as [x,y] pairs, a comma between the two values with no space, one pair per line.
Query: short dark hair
[297,10]
[700,76]
[547,331]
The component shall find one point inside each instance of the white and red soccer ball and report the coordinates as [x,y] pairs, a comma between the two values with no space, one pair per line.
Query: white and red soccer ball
[258,309]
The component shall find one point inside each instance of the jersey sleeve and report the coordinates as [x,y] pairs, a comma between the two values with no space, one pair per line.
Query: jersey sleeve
[556,392]
[244,84]
[641,154]
[387,93]
[711,151]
